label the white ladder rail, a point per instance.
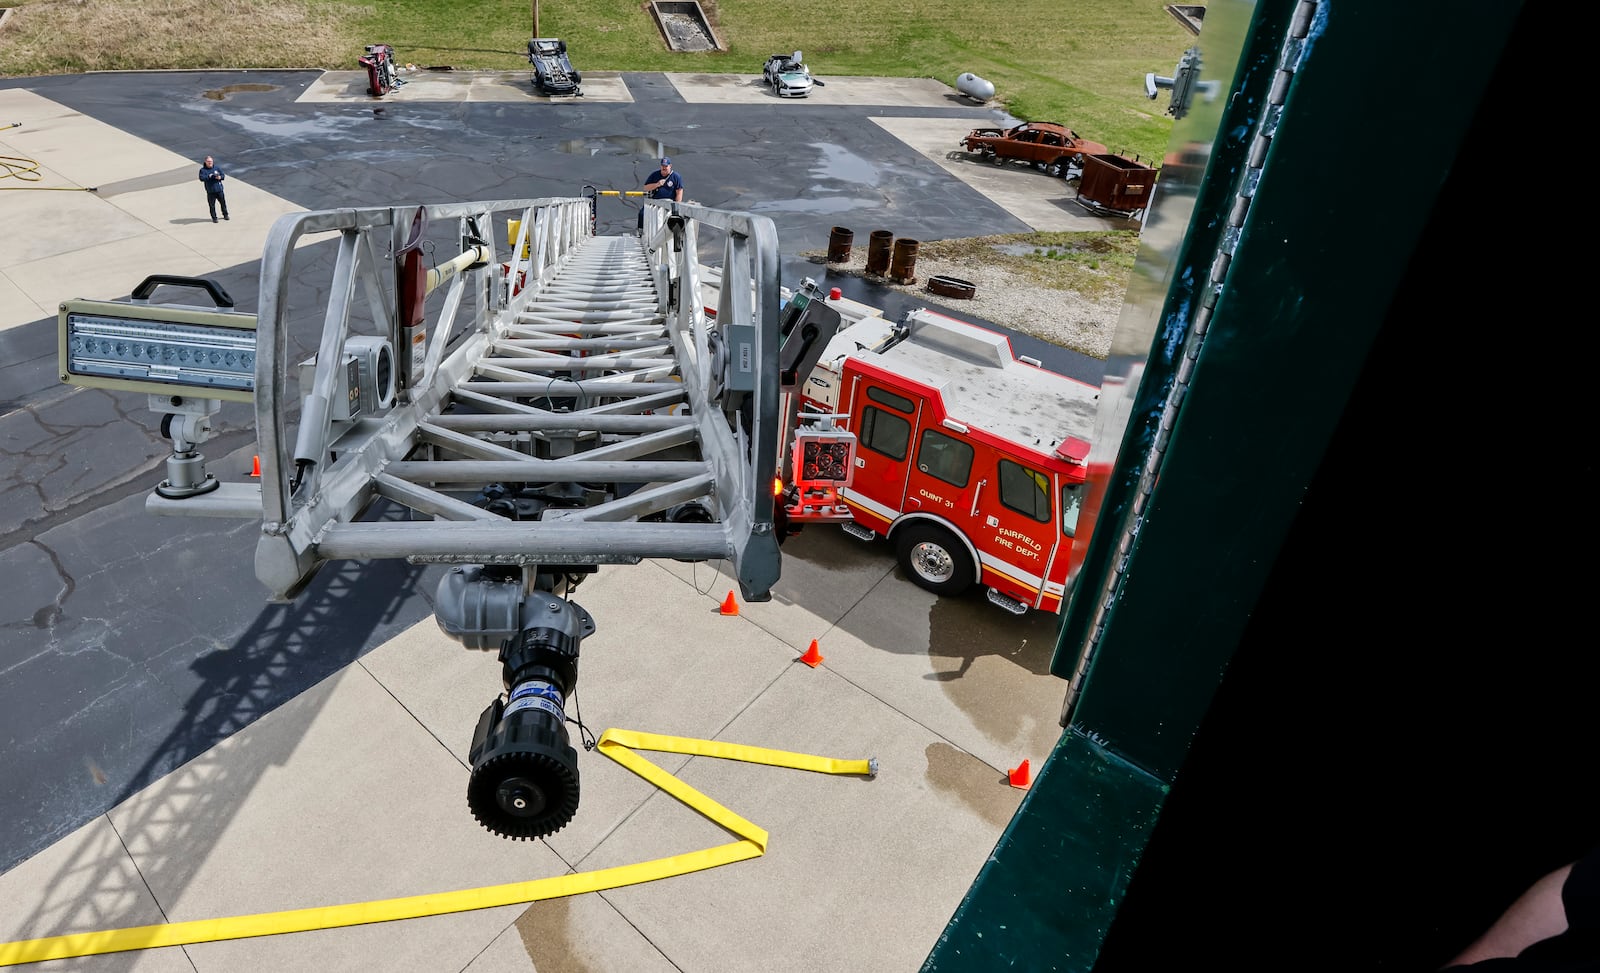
(599, 393)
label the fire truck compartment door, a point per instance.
(1019, 538)
(885, 441)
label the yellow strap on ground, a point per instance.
(735, 751)
(614, 743)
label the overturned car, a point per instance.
(553, 73)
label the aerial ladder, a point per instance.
(534, 415)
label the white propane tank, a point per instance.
(974, 87)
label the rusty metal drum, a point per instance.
(878, 251)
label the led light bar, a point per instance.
(158, 348)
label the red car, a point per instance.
(1048, 146)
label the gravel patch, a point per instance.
(1063, 317)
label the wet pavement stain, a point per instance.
(819, 207)
(623, 145)
(838, 162)
(972, 782)
(219, 94)
(967, 628)
(544, 929)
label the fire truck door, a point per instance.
(941, 479)
(1015, 514)
(885, 425)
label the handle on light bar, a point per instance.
(149, 284)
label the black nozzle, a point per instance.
(524, 781)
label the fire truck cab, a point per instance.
(970, 460)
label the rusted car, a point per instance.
(1050, 147)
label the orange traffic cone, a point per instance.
(1019, 775)
(255, 466)
(729, 606)
(813, 656)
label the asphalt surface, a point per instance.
(109, 674)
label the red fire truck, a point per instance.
(931, 433)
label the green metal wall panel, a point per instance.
(1297, 243)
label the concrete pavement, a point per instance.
(279, 759)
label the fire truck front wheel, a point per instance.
(934, 559)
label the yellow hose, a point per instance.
(616, 744)
(16, 167)
(27, 170)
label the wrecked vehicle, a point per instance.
(553, 73)
(1050, 147)
(788, 75)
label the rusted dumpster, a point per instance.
(1112, 185)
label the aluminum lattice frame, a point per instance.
(466, 416)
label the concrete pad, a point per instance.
(977, 673)
(752, 89)
(17, 307)
(1045, 203)
(440, 682)
(54, 223)
(85, 882)
(84, 151)
(27, 110)
(825, 574)
(108, 270)
(180, 213)
(147, 215)
(461, 86)
(576, 934)
(859, 874)
(339, 796)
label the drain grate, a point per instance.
(684, 25)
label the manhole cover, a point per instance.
(947, 286)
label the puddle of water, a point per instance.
(218, 94)
(838, 162)
(830, 204)
(625, 145)
(325, 126)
